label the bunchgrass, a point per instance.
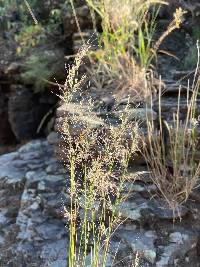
(127, 48)
(171, 151)
(97, 160)
(126, 27)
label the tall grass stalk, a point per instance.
(31, 12)
(97, 159)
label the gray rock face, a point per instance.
(132, 209)
(141, 232)
(180, 243)
(32, 231)
(170, 105)
(140, 241)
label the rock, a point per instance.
(178, 238)
(34, 176)
(170, 104)
(35, 166)
(58, 263)
(20, 164)
(10, 175)
(50, 186)
(160, 209)
(105, 104)
(140, 241)
(140, 114)
(79, 39)
(49, 127)
(54, 178)
(95, 207)
(72, 109)
(131, 187)
(179, 244)
(31, 206)
(108, 263)
(53, 138)
(57, 250)
(138, 173)
(180, 74)
(78, 116)
(33, 146)
(32, 225)
(55, 168)
(3, 219)
(84, 18)
(2, 240)
(132, 209)
(77, 125)
(53, 230)
(41, 186)
(8, 157)
(54, 204)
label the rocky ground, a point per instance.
(33, 191)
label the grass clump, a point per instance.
(127, 43)
(97, 160)
(126, 27)
(171, 153)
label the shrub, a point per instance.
(30, 36)
(42, 67)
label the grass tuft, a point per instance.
(171, 152)
(127, 46)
